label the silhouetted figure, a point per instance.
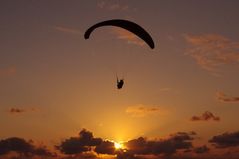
(120, 83)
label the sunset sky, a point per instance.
(54, 84)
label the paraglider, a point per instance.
(125, 24)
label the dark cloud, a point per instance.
(178, 141)
(82, 143)
(23, 147)
(43, 151)
(225, 140)
(106, 147)
(86, 146)
(133, 148)
(20, 110)
(16, 110)
(126, 155)
(198, 156)
(15, 144)
(87, 155)
(224, 98)
(87, 139)
(138, 146)
(201, 149)
(206, 116)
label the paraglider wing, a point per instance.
(128, 25)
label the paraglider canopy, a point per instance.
(125, 24)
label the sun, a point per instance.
(118, 145)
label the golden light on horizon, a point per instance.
(118, 145)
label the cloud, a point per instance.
(212, 50)
(141, 146)
(80, 144)
(112, 6)
(224, 98)
(86, 143)
(198, 156)
(15, 144)
(127, 155)
(9, 71)
(67, 30)
(175, 146)
(201, 149)
(206, 116)
(17, 110)
(20, 110)
(43, 151)
(129, 37)
(142, 111)
(23, 147)
(225, 140)
(178, 141)
(86, 155)
(106, 147)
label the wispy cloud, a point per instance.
(129, 37)
(21, 110)
(142, 111)
(67, 30)
(206, 116)
(212, 50)
(8, 71)
(112, 5)
(16, 110)
(222, 97)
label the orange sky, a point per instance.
(54, 83)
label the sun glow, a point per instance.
(118, 145)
